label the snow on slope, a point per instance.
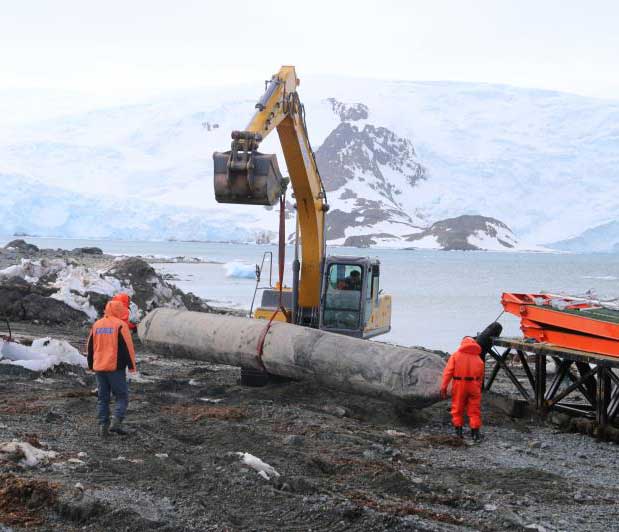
(30, 207)
(528, 158)
(600, 239)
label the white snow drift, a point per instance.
(45, 353)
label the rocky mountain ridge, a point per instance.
(370, 174)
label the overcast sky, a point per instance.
(115, 46)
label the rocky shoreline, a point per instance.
(72, 286)
(206, 454)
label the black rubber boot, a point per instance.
(104, 430)
(116, 426)
(459, 432)
(476, 435)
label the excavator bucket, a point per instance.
(248, 178)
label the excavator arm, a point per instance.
(245, 176)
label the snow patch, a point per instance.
(32, 270)
(264, 470)
(45, 353)
(74, 282)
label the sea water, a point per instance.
(438, 296)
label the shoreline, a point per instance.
(6, 239)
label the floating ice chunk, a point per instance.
(264, 470)
(240, 270)
(32, 456)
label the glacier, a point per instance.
(542, 163)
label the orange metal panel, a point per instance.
(581, 342)
(523, 306)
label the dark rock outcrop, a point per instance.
(453, 233)
(21, 246)
(365, 241)
(349, 151)
(150, 290)
(21, 301)
(349, 112)
(92, 250)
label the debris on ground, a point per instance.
(211, 400)
(23, 500)
(25, 454)
(262, 468)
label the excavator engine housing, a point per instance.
(245, 176)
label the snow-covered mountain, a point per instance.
(600, 239)
(405, 164)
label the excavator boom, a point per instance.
(243, 175)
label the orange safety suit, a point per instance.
(466, 368)
(125, 300)
(110, 347)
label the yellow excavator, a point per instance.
(334, 293)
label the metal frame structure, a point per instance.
(595, 376)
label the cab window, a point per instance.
(343, 296)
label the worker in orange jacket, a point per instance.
(110, 353)
(466, 368)
(126, 301)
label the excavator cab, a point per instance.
(245, 176)
(352, 303)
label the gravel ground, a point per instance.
(345, 462)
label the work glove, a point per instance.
(443, 393)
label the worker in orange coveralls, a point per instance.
(126, 301)
(466, 368)
(110, 353)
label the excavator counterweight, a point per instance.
(245, 176)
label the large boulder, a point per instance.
(92, 250)
(20, 300)
(21, 246)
